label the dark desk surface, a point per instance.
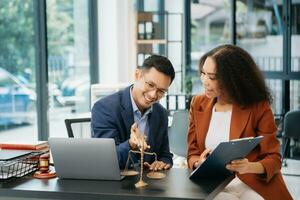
(176, 185)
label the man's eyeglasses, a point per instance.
(151, 86)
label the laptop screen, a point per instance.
(85, 158)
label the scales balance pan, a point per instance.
(151, 175)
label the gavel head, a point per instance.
(44, 162)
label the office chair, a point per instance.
(100, 90)
(178, 132)
(291, 130)
(69, 122)
(279, 119)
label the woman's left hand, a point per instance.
(241, 166)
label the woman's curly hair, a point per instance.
(238, 75)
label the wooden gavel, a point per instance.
(44, 172)
(44, 163)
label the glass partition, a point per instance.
(17, 71)
(210, 27)
(260, 32)
(68, 62)
(295, 38)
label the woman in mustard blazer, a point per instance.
(236, 104)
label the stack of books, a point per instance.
(38, 146)
(18, 158)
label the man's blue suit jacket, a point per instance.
(112, 117)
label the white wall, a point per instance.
(116, 41)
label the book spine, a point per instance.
(22, 147)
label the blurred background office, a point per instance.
(52, 52)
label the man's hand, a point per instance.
(137, 139)
(157, 165)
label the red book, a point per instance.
(24, 145)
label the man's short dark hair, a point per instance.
(161, 64)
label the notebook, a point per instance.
(6, 155)
(85, 158)
(224, 153)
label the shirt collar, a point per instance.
(134, 106)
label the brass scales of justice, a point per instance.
(153, 174)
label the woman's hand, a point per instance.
(202, 157)
(243, 166)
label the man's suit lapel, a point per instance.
(127, 112)
(239, 120)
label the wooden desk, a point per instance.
(176, 185)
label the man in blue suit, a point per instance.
(135, 111)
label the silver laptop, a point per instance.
(85, 158)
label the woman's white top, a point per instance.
(218, 131)
(219, 128)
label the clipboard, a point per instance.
(224, 153)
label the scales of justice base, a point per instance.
(153, 174)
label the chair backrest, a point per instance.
(100, 90)
(292, 124)
(178, 132)
(82, 129)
